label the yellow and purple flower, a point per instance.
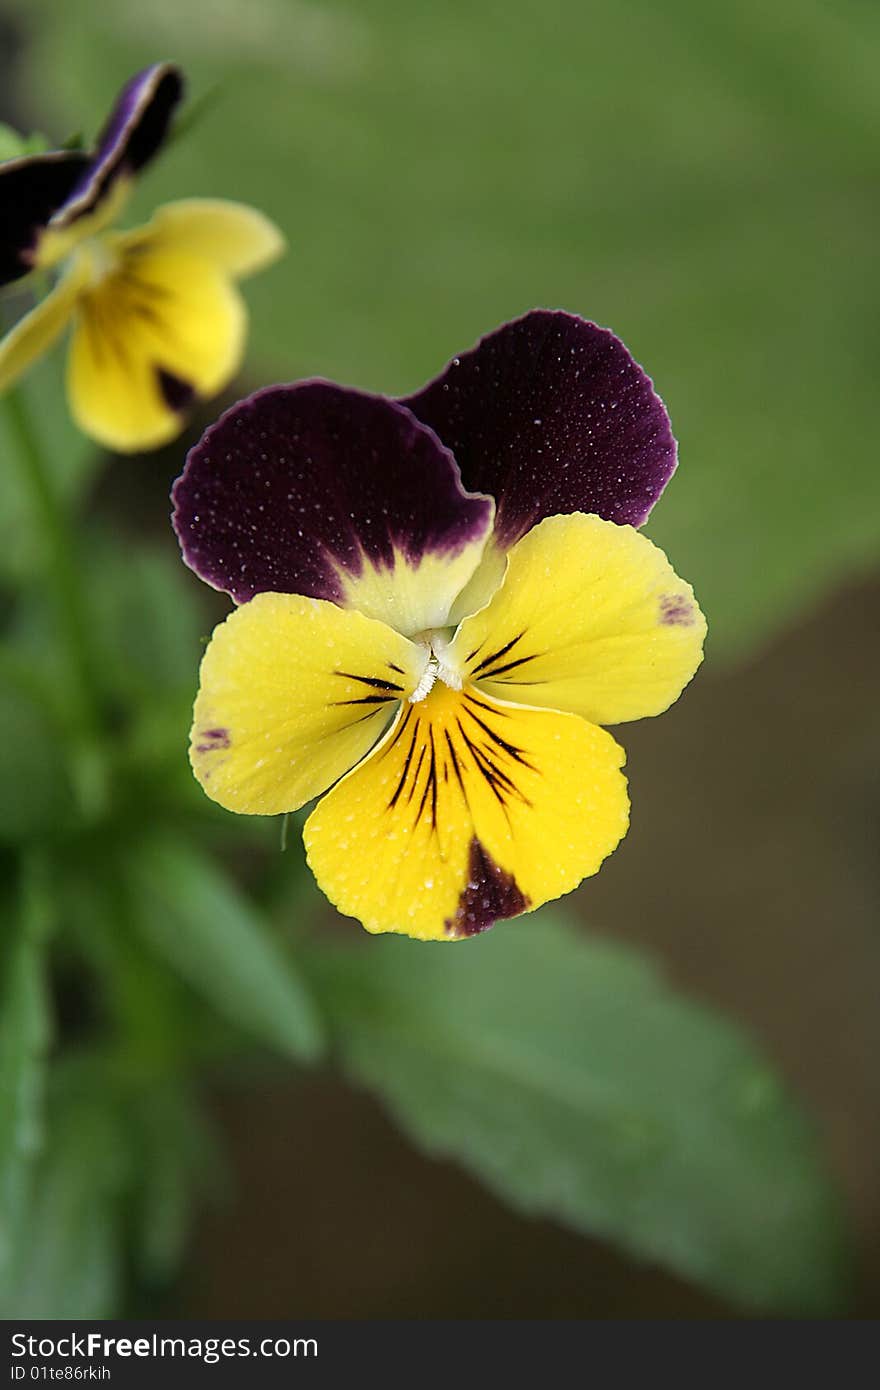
(442, 599)
(157, 318)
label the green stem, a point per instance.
(66, 592)
(62, 569)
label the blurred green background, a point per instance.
(705, 181)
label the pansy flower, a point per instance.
(156, 315)
(441, 601)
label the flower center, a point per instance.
(437, 666)
(102, 259)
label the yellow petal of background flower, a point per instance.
(158, 330)
(57, 242)
(293, 692)
(590, 618)
(34, 334)
(468, 811)
(233, 237)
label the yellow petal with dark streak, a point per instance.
(590, 618)
(467, 812)
(293, 692)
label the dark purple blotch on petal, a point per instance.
(676, 610)
(550, 414)
(177, 394)
(133, 133)
(31, 189)
(489, 895)
(297, 481)
(212, 740)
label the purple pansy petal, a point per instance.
(56, 190)
(31, 189)
(131, 136)
(313, 487)
(550, 414)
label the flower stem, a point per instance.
(62, 568)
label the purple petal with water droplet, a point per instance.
(298, 486)
(550, 414)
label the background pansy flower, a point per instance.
(156, 315)
(442, 600)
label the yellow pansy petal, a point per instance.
(590, 618)
(413, 593)
(159, 330)
(482, 584)
(33, 335)
(469, 811)
(293, 692)
(233, 237)
(60, 238)
(197, 322)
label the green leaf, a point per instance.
(72, 461)
(24, 1035)
(573, 1081)
(35, 793)
(13, 145)
(176, 1161)
(163, 1030)
(148, 624)
(199, 921)
(69, 1260)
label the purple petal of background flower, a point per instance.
(30, 191)
(550, 414)
(60, 187)
(299, 479)
(133, 133)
